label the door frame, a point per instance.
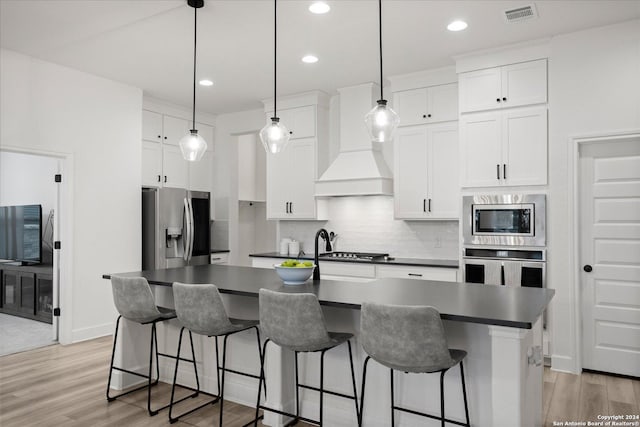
(575, 144)
(63, 232)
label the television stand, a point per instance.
(27, 291)
(19, 263)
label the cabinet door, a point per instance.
(207, 132)
(175, 168)
(200, 176)
(301, 121)
(524, 83)
(151, 126)
(410, 177)
(10, 290)
(480, 90)
(151, 164)
(417, 273)
(480, 151)
(301, 181)
(524, 150)
(278, 191)
(411, 106)
(174, 129)
(444, 187)
(27, 293)
(442, 103)
(44, 297)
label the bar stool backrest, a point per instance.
(200, 309)
(405, 337)
(133, 299)
(292, 320)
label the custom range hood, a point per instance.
(359, 169)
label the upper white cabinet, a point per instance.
(507, 147)
(426, 172)
(291, 174)
(162, 161)
(427, 105)
(503, 87)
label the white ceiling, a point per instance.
(149, 43)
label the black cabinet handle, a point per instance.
(414, 274)
(424, 205)
(286, 207)
(290, 207)
(159, 178)
(290, 132)
(165, 178)
(587, 268)
(429, 205)
(428, 115)
(497, 99)
(504, 98)
(159, 137)
(424, 116)
(498, 171)
(504, 171)
(165, 137)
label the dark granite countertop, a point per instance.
(517, 307)
(416, 262)
(219, 251)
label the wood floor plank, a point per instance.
(547, 393)
(549, 375)
(620, 390)
(594, 378)
(622, 408)
(592, 402)
(564, 402)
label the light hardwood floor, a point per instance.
(65, 386)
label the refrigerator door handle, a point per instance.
(186, 238)
(192, 231)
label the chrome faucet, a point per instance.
(325, 235)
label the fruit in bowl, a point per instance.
(294, 272)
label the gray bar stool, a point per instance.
(134, 301)
(409, 339)
(200, 310)
(295, 322)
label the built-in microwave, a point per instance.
(504, 219)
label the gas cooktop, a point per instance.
(355, 256)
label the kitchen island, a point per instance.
(499, 327)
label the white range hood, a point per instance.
(359, 169)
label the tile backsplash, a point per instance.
(366, 224)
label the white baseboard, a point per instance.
(92, 332)
(563, 364)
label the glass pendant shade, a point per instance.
(275, 136)
(382, 122)
(193, 146)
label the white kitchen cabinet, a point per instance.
(162, 161)
(426, 178)
(220, 258)
(427, 105)
(507, 147)
(417, 273)
(291, 181)
(504, 87)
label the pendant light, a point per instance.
(275, 136)
(381, 121)
(193, 146)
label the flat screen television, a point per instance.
(21, 233)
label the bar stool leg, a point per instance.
(260, 356)
(297, 386)
(464, 395)
(353, 381)
(224, 367)
(442, 397)
(175, 375)
(264, 354)
(364, 381)
(321, 383)
(393, 420)
(153, 335)
(113, 353)
(195, 367)
(218, 365)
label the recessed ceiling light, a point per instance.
(205, 82)
(309, 59)
(457, 26)
(319, 7)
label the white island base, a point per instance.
(503, 372)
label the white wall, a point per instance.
(96, 124)
(366, 224)
(594, 87)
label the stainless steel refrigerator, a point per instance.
(175, 228)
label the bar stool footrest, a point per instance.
(215, 400)
(423, 414)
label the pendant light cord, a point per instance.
(275, 54)
(380, 36)
(195, 41)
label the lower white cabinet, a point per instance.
(418, 273)
(426, 172)
(220, 258)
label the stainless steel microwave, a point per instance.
(504, 219)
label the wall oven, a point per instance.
(506, 267)
(504, 220)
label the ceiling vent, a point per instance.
(521, 13)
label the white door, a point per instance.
(610, 255)
(301, 183)
(480, 149)
(410, 180)
(524, 146)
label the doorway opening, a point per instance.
(30, 291)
